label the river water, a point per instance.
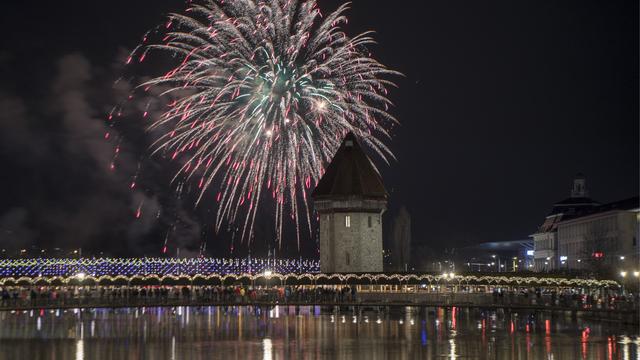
(308, 333)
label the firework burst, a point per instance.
(262, 93)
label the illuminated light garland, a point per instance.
(40, 267)
(246, 271)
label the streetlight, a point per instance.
(623, 274)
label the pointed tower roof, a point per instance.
(350, 174)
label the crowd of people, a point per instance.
(52, 296)
(238, 294)
(566, 298)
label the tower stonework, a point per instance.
(350, 199)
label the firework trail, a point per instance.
(262, 93)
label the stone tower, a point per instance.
(350, 199)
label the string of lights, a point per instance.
(38, 267)
(158, 271)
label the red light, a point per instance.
(453, 318)
(598, 254)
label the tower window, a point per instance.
(347, 221)
(369, 221)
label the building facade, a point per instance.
(545, 239)
(581, 234)
(607, 235)
(350, 200)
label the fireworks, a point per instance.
(261, 94)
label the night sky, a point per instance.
(501, 104)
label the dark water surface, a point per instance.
(280, 333)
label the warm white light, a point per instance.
(621, 257)
(79, 349)
(267, 349)
(636, 273)
(452, 275)
(623, 273)
(80, 275)
(268, 273)
(269, 133)
(321, 105)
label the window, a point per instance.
(347, 259)
(369, 221)
(634, 241)
(347, 221)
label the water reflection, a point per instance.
(80, 349)
(267, 347)
(308, 332)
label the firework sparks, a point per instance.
(261, 95)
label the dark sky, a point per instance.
(501, 104)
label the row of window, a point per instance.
(546, 244)
(347, 221)
(592, 228)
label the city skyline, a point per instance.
(319, 179)
(494, 124)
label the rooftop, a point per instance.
(350, 174)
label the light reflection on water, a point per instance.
(284, 332)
